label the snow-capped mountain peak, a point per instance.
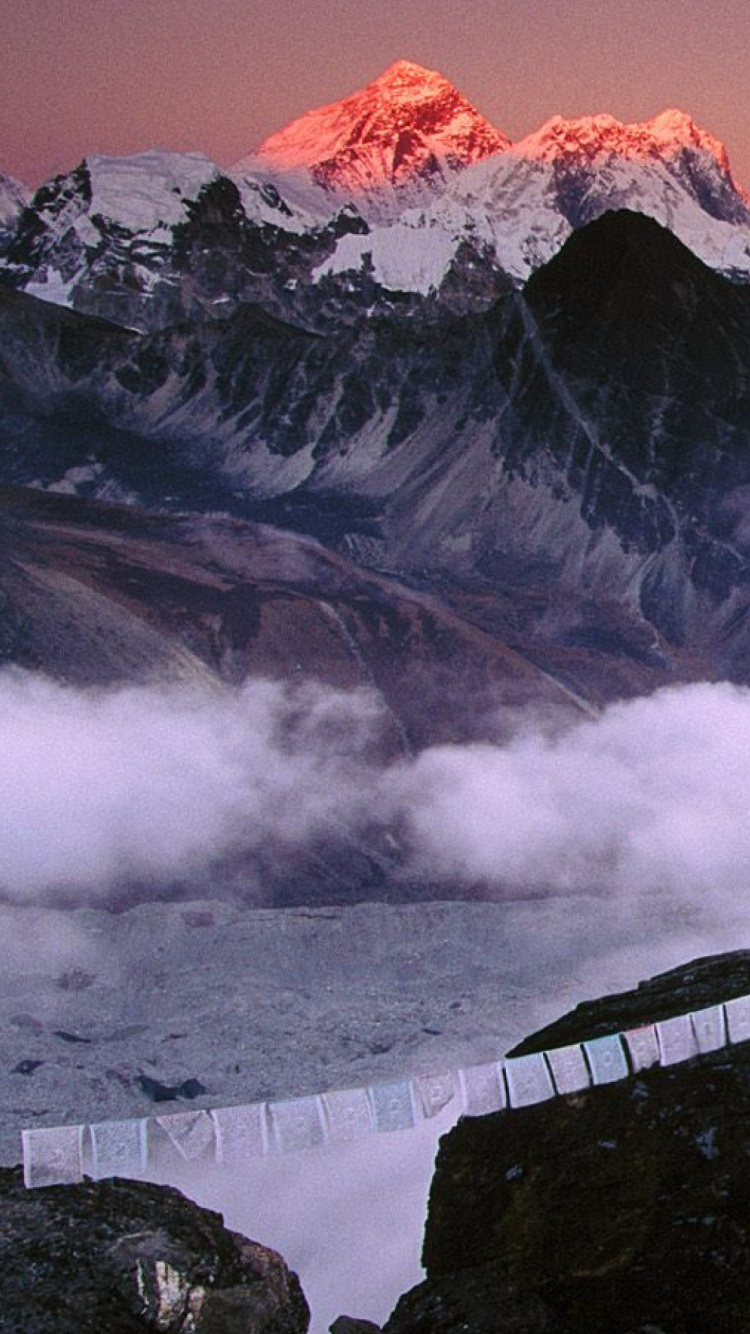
(673, 130)
(638, 166)
(664, 136)
(406, 131)
(147, 190)
(519, 205)
(406, 81)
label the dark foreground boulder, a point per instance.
(621, 1210)
(125, 1257)
(347, 1324)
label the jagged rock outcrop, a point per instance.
(618, 1210)
(13, 198)
(127, 1256)
(346, 1324)
(150, 241)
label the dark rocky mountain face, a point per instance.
(13, 198)
(208, 261)
(600, 165)
(619, 1210)
(689, 987)
(587, 435)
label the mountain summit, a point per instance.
(671, 143)
(664, 136)
(408, 128)
(403, 183)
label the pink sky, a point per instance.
(219, 75)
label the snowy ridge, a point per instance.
(118, 217)
(523, 202)
(149, 191)
(425, 176)
(664, 136)
(136, 201)
(512, 212)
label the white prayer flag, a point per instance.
(435, 1092)
(643, 1047)
(297, 1123)
(484, 1088)
(606, 1057)
(52, 1156)
(348, 1114)
(392, 1106)
(241, 1132)
(193, 1134)
(738, 1018)
(676, 1039)
(709, 1028)
(569, 1069)
(528, 1079)
(118, 1148)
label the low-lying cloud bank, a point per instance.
(149, 783)
(652, 795)
(100, 785)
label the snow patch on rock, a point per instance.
(147, 191)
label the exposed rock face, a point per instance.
(102, 594)
(346, 1324)
(158, 238)
(621, 1209)
(690, 987)
(13, 197)
(124, 1256)
(556, 440)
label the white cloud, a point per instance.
(652, 797)
(99, 786)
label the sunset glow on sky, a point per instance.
(118, 76)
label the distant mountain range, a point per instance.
(578, 441)
(403, 182)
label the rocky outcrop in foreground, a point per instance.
(621, 1210)
(126, 1256)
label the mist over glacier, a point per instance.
(99, 787)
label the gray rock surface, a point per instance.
(555, 439)
(123, 1257)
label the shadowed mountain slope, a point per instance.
(590, 434)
